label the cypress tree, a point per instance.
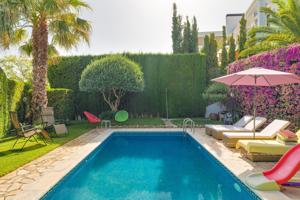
(186, 44)
(231, 50)
(213, 48)
(176, 31)
(205, 50)
(194, 36)
(224, 56)
(243, 34)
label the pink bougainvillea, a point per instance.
(280, 102)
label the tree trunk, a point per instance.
(40, 66)
(113, 98)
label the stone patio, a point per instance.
(34, 179)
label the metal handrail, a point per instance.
(188, 123)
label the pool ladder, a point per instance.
(188, 123)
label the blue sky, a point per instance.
(145, 25)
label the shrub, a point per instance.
(280, 102)
(107, 115)
(216, 92)
(113, 76)
(62, 101)
(183, 75)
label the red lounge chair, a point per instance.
(92, 118)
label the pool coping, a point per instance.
(69, 155)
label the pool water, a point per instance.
(150, 166)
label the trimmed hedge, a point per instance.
(10, 98)
(183, 75)
(62, 101)
(3, 103)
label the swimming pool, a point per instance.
(150, 166)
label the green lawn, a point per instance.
(140, 122)
(12, 159)
(198, 121)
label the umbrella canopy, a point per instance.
(258, 77)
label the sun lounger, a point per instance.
(262, 150)
(209, 128)
(268, 133)
(259, 121)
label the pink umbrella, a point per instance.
(258, 77)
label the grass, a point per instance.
(140, 122)
(13, 159)
(198, 121)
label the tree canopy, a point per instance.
(112, 76)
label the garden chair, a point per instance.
(210, 128)
(49, 122)
(259, 121)
(26, 132)
(230, 139)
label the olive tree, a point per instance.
(112, 76)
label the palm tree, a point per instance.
(36, 22)
(283, 28)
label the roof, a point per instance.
(235, 14)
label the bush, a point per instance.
(113, 77)
(62, 101)
(216, 92)
(183, 75)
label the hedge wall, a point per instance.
(10, 98)
(184, 76)
(3, 103)
(62, 101)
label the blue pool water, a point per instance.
(150, 166)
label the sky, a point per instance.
(145, 25)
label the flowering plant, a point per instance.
(280, 102)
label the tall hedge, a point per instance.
(61, 100)
(3, 103)
(183, 75)
(10, 98)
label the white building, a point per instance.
(253, 15)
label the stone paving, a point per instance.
(34, 179)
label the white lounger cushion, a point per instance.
(269, 131)
(259, 121)
(239, 124)
(243, 121)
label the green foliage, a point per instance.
(182, 74)
(17, 68)
(216, 92)
(213, 48)
(232, 47)
(224, 59)
(243, 34)
(62, 101)
(282, 28)
(15, 91)
(113, 77)
(3, 103)
(112, 72)
(186, 43)
(107, 115)
(176, 31)
(194, 37)
(10, 99)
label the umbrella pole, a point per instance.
(254, 107)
